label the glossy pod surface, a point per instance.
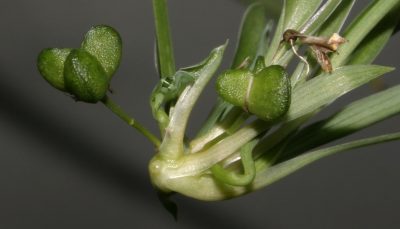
(104, 43)
(232, 86)
(86, 72)
(84, 77)
(51, 66)
(269, 96)
(265, 93)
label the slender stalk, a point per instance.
(165, 53)
(116, 109)
(232, 177)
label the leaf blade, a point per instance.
(272, 174)
(251, 34)
(165, 54)
(358, 29)
(325, 88)
(294, 15)
(172, 145)
(373, 43)
(354, 117)
(320, 16)
(336, 19)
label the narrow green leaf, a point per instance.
(320, 16)
(165, 55)
(294, 15)
(332, 25)
(276, 172)
(354, 117)
(298, 12)
(358, 29)
(172, 146)
(274, 45)
(312, 25)
(336, 19)
(251, 34)
(278, 136)
(374, 42)
(273, 7)
(327, 87)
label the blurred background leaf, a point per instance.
(273, 7)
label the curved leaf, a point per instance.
(172, 145)
(354, 117)
(374, 42)
(358, 29)
(251, 33)
(276, 172)
(325, 88)
(336, 19)
(320, 16)
(293, 16)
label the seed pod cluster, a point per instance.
(264, 92)
(84, 72)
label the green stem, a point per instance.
(231, 177)
(132, 122)
(227, 125)
(165, 53)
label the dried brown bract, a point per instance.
(320, 46)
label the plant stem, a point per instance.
(165, 53)
(201, 161)
(116, 109)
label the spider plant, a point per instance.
(259, 129)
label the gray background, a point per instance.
(72, 165)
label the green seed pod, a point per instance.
(84, 77)
(104, 43)
(232, 86)
(265, 93)
(269, 96)
(51, 66)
